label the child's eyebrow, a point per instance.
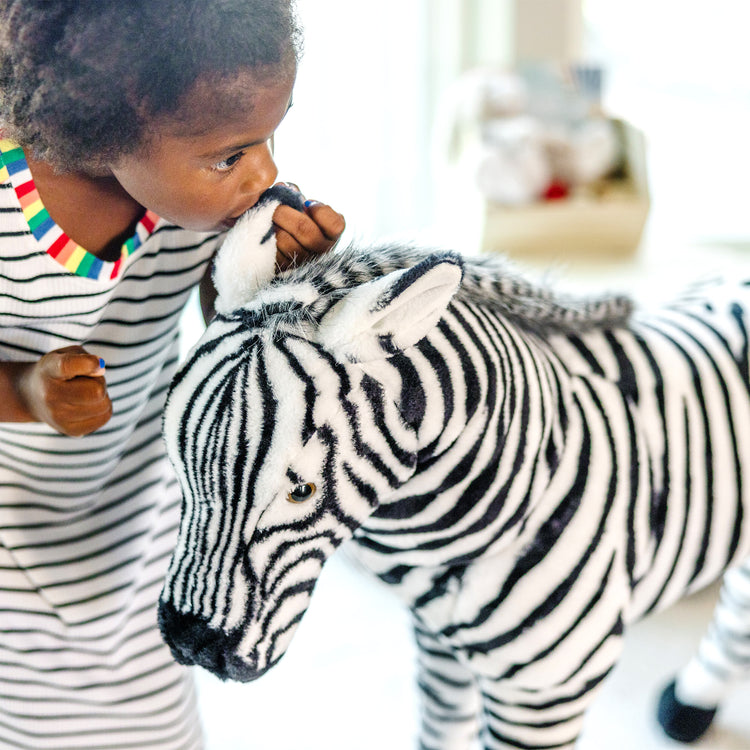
(229, 150)
(221, 153)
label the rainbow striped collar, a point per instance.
(51, 238)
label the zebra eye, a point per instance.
(301, 493)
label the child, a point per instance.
(139, 131)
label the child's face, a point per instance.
(205, 168)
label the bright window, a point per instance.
(680, 70)
(355, 137)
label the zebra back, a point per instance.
(490, 282)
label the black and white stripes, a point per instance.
(528, 473)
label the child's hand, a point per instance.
(66, 389)
(301, 235)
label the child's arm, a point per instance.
(65, 388)
(299, 236)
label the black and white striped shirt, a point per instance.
(87, 525)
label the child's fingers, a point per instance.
(316, 229)
(89, 393)
(74, 361)
(300, 235)
(77, 406)
(330, 222)
(75, 422)
(301, 228)
(288, 250)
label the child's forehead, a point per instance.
(215, 102)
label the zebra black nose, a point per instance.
(193, 641)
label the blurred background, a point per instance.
(604, 141)
(377, 89)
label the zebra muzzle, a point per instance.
(193, 641)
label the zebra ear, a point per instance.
(247, 258)
(391, 313)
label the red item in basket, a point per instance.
(556, 190)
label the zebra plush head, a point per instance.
(271, 426)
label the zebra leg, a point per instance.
(541, 720)
(449, 695)
(688, 704)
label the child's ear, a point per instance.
(247, 258)
(391, 313)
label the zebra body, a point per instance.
(528, 473)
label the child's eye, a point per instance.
(225, 165)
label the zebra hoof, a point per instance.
(679, 721)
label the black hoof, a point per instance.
(680, 722)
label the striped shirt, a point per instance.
(87, 525)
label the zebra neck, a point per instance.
(489, 437)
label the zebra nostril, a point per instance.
(192, 640)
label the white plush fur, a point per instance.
(245, 262)
(355, 326)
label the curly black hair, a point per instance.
(80, 80)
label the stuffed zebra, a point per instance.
(529, 473)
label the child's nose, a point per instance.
(261, 172)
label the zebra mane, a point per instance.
(488, 281)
